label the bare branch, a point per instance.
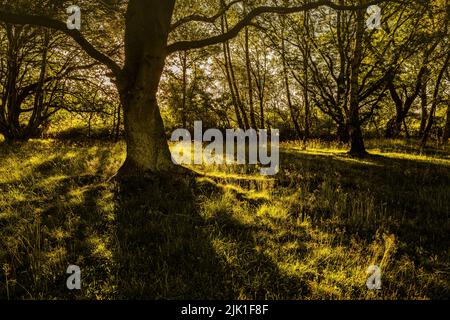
(24, 19)
(233, 32)
(200, 18)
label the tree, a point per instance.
(414, 63)
(442, 71)
(34, 73)
(353, 120)
(436, 101)
(147, 28)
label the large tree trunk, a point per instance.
(353, 120)
(147, 28)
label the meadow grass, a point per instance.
(310, 232)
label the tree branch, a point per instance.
(200, 18)
(21, 19)
(233, 32)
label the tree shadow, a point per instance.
(410, 195)
(50, 221)
(152, 244)
(165, 248)
(257, 274)
(160, 250)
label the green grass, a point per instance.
(310, 232)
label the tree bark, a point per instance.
(118, 124)
(341, 107)
(146, 34)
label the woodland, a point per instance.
(91, 92)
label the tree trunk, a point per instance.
(286, 82)
(394, 128)
(261, 111)
(229, 80)
(341, 108)
(402, 107)
(446, 133)
(234, 84)
(119, 122)
(394, 125)
(306, 54)
(357, 147)
(249, 80)
(343, 132)
(260, 81)
(408, 136)
(184, 99)
(36, 120)
(434, 105)
(424, 107)
(354, 124)
(147, 28)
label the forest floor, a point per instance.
(310, 232)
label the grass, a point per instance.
(311, 232)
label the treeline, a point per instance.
(317, 73)
(322, 73)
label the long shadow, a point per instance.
(165, 252)
(36, 220)
(412, 192)
(255, 273)
(162, 250)
(374, 172)
(161, 246)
